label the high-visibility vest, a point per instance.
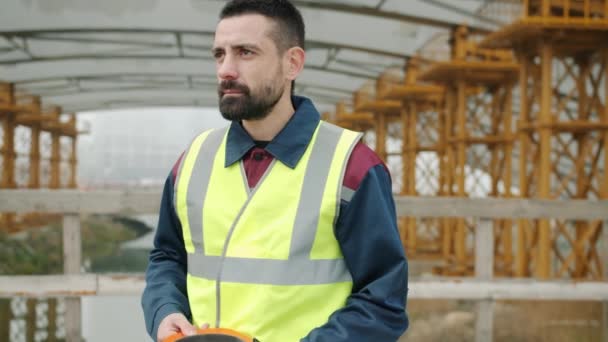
(264, 261)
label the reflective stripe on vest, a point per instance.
(264, 244)
(193, 179)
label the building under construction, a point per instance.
(491, 116)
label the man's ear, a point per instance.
(294, 62)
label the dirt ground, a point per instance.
(514, 321)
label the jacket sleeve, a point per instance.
(165, 291)
(367, 232)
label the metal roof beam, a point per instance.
(16, 76)
(134, 103)
(54, 35)
(209, 86)
(149, 95)
(321, 104)
(465, 12)
(375, 12)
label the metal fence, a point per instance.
(481, 288)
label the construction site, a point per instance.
(491, 116)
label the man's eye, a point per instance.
(246, 52)
(218, 55)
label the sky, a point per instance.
(137, 146)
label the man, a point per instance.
(281, 226)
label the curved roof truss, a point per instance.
(89, 54)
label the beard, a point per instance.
(248, 106)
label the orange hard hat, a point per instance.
(212, 335)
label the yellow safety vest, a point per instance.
(264, 261)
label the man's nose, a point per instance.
(227, 70)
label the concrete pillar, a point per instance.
(72, 255)
(484, 271)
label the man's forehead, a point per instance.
(246, 26)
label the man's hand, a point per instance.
(175, 323)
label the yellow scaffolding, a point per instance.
(563, 120)
(25, 111)
(421, 132)
(478, 123)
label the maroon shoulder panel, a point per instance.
(176, 167)
(361, 160)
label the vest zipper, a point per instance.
(250, 194)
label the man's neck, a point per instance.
(267, 128)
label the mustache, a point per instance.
(231, 85)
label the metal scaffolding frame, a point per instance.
(25, 112)
(563, 120)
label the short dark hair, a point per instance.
(290, 30)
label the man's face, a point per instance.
(249, 68)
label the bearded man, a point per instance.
(280, 226)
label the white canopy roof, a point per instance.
(88, 54)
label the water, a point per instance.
(104, 318)
(114, 319)
(118, 318)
